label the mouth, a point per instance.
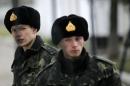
(75, 51)
(19, 40)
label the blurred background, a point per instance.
(109, 27)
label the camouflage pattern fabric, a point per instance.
(88, 71)
(28, 64)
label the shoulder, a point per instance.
(106, 65)
(50, 49)
(106, 69)
(104, 61)
(109, 71)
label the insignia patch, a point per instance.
(70, 27)
(13, 17)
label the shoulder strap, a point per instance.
(50, 54)
(104, 61)
(51, 50)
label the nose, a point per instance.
(74, 43)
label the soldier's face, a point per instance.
(23, 34)
(72, 46)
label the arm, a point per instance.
(110, 72)
(113, 80)
(14, 81)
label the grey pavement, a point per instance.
(125, 78)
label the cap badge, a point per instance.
(70, 27)
(13, 17)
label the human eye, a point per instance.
(78, 38)
(21, 28)
(13, 30)
(67, 39)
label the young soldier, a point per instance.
(74, 66)
(32, 54)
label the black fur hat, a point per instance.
(67, 26)
(22, 15)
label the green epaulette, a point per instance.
(105, 61)
(50, 49)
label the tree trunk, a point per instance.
(113, 49)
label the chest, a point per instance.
(25, 73)
(83, 79)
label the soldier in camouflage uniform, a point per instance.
(32, 54)
(74, 66)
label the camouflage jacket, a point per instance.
(27, 65)
(88, 71)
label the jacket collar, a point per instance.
(20, 55)
(75, 66)
(37, 44)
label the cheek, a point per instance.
(65, 47)
(68, 48)
(27, 34)
(81, 43)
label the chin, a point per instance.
(21, 45)
(75, 56)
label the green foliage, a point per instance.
(124, 1)
(48, 41)
(126, 66)
(3, 32)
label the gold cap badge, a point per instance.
(13, 17)
(70, 27)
